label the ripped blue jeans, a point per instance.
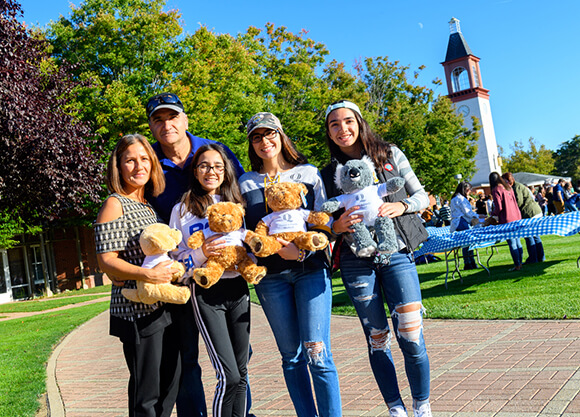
(369, 285)
(297, 305)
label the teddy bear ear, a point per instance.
(369, 162)
(209, 210)
(177, 235)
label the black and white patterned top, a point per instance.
(122, 235)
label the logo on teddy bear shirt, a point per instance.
(361, 200)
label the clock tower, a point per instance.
(466, 91)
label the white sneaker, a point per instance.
(398, 411)
(423, 411)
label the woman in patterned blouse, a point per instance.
(149, 339)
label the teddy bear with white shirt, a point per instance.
(356, 178)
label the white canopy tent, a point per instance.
(530, 178)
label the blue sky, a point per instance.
(529, 49)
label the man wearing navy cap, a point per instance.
(175, 147)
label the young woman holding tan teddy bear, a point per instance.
(222, 308)
(296, 294)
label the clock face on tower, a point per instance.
(463, 110)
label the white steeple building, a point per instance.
(465, 87)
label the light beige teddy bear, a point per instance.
(156, 240)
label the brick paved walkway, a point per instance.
(479, 368)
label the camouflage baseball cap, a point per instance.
(263, 120)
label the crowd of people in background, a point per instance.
(555, 196)
(508, 201)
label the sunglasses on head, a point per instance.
(166, 98)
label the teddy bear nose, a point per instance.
(354, 173)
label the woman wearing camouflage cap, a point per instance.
(296, 295)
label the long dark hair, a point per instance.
(462, 188)
(509, 178)
(289, 152)
(495, 179)
(373, 146)
(196, 200)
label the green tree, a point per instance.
(132, 49)
(533, 159)
(127, 49)
(424, 127)
(219, 87)
(567, 159)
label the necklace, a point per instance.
(268, 180)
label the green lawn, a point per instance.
(47, 303)
(25, 346)
(548, 290)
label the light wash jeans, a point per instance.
(297, 305)
(369, 286)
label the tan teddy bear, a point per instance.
(156, 240)
(288, 221)
(226, 218)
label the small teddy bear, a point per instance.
(156, 240)
(288, 221)
(227, 219)
(356, 179)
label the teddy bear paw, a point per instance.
(386, 248)
(319, 241)
(256, 245)
(202, 279)
(260, 273)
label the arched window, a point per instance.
(476, 76)
(460, 79)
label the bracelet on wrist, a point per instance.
(405, 206)
(332, 229)
(301, 255)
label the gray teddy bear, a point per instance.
(356, 179)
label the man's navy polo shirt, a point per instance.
(555, 190)
(177, 178)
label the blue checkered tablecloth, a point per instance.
(442, 241)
